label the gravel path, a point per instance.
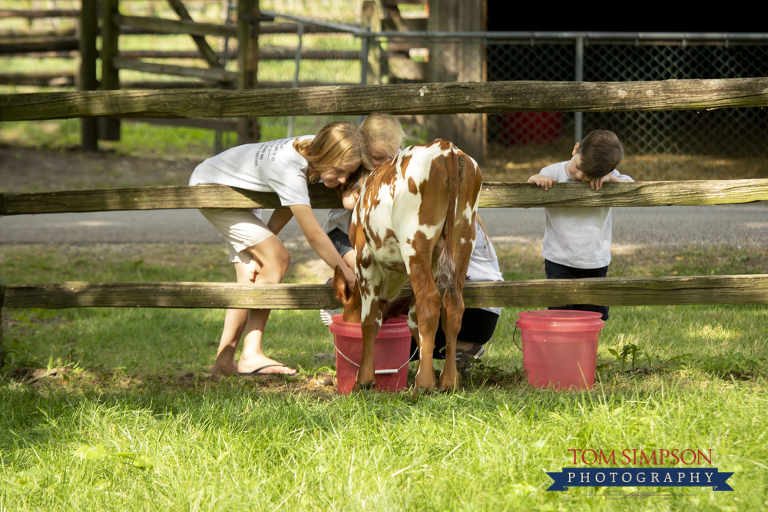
(732, 225)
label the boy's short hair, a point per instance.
(601, 152)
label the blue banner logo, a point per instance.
(640, 477)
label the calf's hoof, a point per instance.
(364, 386)
(449, 386)
(422, 390)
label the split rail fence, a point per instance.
(446, 98)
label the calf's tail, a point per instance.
(446, 264)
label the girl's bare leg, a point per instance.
(237, 321)
(234, 325)
(274, 259)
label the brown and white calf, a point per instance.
(414, 220)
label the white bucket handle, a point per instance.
(376, 372)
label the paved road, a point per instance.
(733, 225)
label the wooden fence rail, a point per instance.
(639, 291)
(51, 13)
(215, 74)
(398, 99)
(493, 195)
(439, 98)
(10, 45)
(166, 26)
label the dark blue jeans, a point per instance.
(557, 271)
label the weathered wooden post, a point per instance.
(462, 61)
(89, 28)
(371, 20)
(109, 128)
(248, 60)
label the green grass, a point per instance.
(128, 418)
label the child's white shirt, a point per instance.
(338, 218)
(577, 237)
(273, 166)
(483, 263)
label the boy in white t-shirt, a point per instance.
(577, 241)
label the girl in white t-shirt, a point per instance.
(284, 167)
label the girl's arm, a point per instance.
(319, 241)
(349, 196)
(279, 219)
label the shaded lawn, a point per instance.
(113, 407)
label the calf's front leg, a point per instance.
(366, 374)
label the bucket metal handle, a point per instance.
(514, 340)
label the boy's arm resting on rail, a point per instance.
(319, 241)
(597, 183)
(542, 181)
(279, 219)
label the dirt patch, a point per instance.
(37, 170)
(321, 385)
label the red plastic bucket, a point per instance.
(391, 353)
(560, 347)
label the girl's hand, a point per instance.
(253, 268)
(349, 197)
(349, 275)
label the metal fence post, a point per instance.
(297, 59)
(364, 51)
(578, 117)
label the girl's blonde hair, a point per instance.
(337, 143)
(383, 129)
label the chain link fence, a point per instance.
(668, 145)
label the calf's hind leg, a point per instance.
(428, 315)
(453, 311)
